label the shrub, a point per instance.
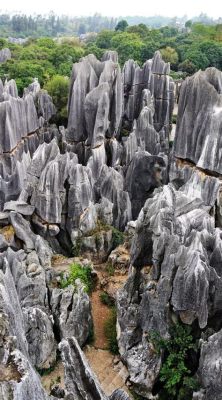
(106, 299)
(174, 119)
(110, 332)
(117, 237)
(77, 247)
(176, 377)
(46, 371)
(78, 272)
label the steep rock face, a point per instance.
(5, 54)
(177, 236)
(80, 381)
(91, 80)
(72, 312)
(210, 368)
(18, 379)
(198, 135)
(145, 173)
(154, 75)
(175, 272)
(20, 136)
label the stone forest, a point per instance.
(113, 224)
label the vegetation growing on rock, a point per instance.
(77, 271)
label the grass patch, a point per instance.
(110, 332)
(110, 269)
(76, 271)
(100, 227)
(117, 236)
(106, 299)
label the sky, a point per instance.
(117, 8)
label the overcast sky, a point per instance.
(117, 7)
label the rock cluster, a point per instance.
(176, 253)
(5, 55)
(65, 189)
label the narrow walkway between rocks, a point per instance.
(100, 314)
(108, 368)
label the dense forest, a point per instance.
(196, 46)
(23, 26)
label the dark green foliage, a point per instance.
(174, 119)
(44, 59)
(77, 247)
(110, 332)
(106, 299)
(175, 375)
(121, 26)
(117, 237)
(46, 371)
(76, 271)
(110, 269)
(58, 87)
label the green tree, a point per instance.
(121, 26)
(170, 55)
(128, 45)
(104, 39)
(57, 87)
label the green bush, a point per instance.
(46, 371)
(110, 332)
(110, 269)
(58, 88)
(77, 247)
(106, 299)
(176, 377)
(174, 119)
(117, 237)
(78, 272)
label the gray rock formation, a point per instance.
(154, 75)
(175, 272)
(209, 368)
(199, 120)
(80, 381)
(71, 310)
(5, 55)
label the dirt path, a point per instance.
(100, 313)
(110, 371)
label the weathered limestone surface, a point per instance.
(5, 54)
(80, 381)
(210, 368)
(198, 135)
(175, 272)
